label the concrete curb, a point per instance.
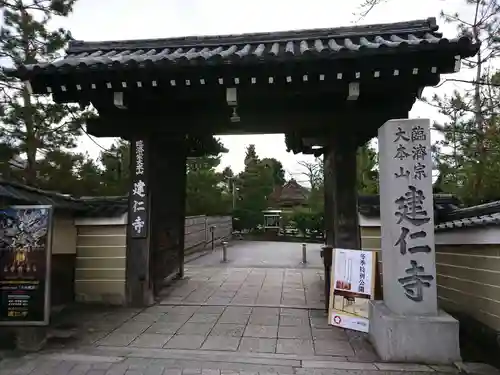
(472, 368)
(302, 365)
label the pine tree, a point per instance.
(467, 158)
(32, 125)
(115, 174)
(251, 155)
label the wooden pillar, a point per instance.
(168, 166)
(138, 290)
(341, 195)
(341, 202)
(155, 236)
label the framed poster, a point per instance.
(25, 254)
(353, 285)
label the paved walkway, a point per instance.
(267, 254)
(219, 320)
(264, 287)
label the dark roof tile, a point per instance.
(471, 217)
(22, 194)
(230, 49)
(470, 222)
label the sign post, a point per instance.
(408, 325)
(25, 254)
(139, 200)
(353, 285)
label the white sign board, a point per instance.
(353, 271)
(353, 283)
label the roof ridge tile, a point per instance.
(406, 27)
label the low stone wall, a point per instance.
(468, 278)
(100, 264)
(198, 234)
(101, 253)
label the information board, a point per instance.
(353, 285)
(25, 251)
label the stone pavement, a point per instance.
(267, 254)
(274, 287)
(218, 320)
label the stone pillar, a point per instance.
(407, 325)
(341, 202)
(155, 241)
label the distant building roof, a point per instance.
(290, 194)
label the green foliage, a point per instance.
(205, 192)
(367, 174)
(115, 172)
(250, 155)
(367, 177)
(316, 201)
(34, 126)
(277, 170)
(307, 221)
(468, 158)
(255, 183)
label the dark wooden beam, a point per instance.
(308, 118)
(193, 81)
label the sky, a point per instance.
(94, 20)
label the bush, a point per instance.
(246, 219)
(309, 223)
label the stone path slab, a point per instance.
(297, 288)
(172, 362)
(267, 254)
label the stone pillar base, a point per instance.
(31, 339)
(416, 339)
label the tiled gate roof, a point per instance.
(328, 43)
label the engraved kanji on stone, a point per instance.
(419, 171)
(138, 224)
(401, 135)
(139, 189)
(414, 283)
(138, 206)
(419, 152)
(410, 207)
(402, 173)
(418, 134)
(401, 153)
(403, 245)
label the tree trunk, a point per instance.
(27, 114)
(478, 115)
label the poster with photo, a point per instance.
(353, 285)
(25, 251)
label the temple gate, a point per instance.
(328, 90)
